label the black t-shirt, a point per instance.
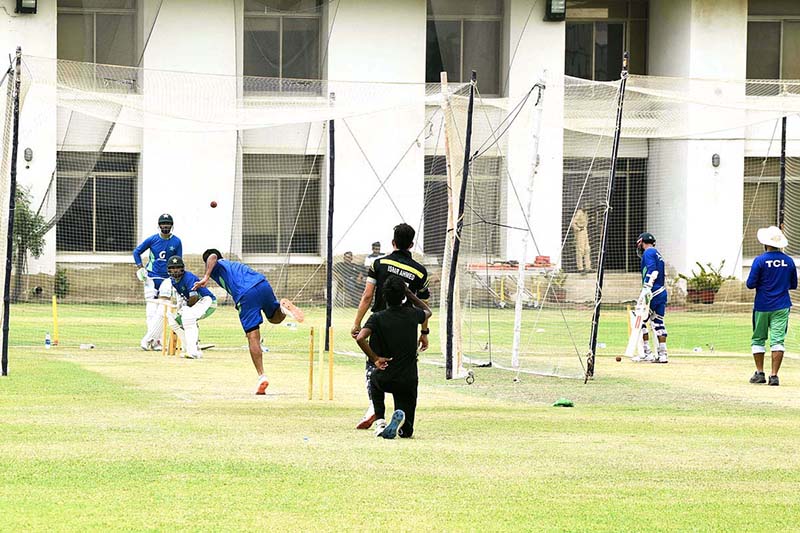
(394, 334)
(398, 263)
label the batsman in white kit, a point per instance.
(154, 276)
(193, 305)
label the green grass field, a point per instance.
(120, 439)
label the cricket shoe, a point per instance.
(758, 377)
(393, 427)
(367, 422)
(292, 310)
(188, 355)
(661, 358)
(380, 425)
(261, 387)
(773, 381)
(645, 358)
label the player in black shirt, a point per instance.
(392, 348)
(398, 263)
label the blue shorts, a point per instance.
(658, 305)
(255, 300)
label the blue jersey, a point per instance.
(772, 275)
(653, 262)
(184, 286)
(235, 278)
(161, 249)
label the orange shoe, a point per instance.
(292, 310)
(366, 422)
(261, 388)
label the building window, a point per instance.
(282, 39)
(760, 205)
(483, 213)
(462, 37)
(597, 34)
(773, 52)
(97, 31)
(281, 204)
(96, 200)
(628, 215)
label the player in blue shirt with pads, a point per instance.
(772, 275)
(253, 295)
(653, 278)
(162, 246)
(194, 305)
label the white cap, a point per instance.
(772, 236)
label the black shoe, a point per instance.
(773, 381)
(758, 377)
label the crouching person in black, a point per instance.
(389, 339)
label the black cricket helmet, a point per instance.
(643, 238)
(175, 267)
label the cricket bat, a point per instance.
(640, 313)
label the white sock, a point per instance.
(662, 347)
(646, 345)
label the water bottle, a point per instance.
(47, 341)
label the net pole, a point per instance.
(329, 267)
(459, 226)
(782, 182)
(14, 89)
(448, 118)
(598, 295)
(523, 255)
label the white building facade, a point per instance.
(400, 41)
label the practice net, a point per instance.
(698, 166)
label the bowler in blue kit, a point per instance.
(253, 295)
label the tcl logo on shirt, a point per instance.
(776, 263)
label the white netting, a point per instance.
(133, 143)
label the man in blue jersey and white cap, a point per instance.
(772, 275)
(253, 296)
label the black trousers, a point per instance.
(404, 391)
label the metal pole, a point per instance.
(12, 204)
(526, 237)
(458, 228)
(782, 184)
(598, 296)
(331, 184)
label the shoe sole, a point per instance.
(366, 423)
(393, 427)
(297, 314)
(262, 388)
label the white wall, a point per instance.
(699, 215)
(36, 34)
(378, 41)
(183, 172)
(536, 53)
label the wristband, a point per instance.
(424, 331)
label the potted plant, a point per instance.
(702, 285)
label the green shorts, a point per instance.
(772, 324)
